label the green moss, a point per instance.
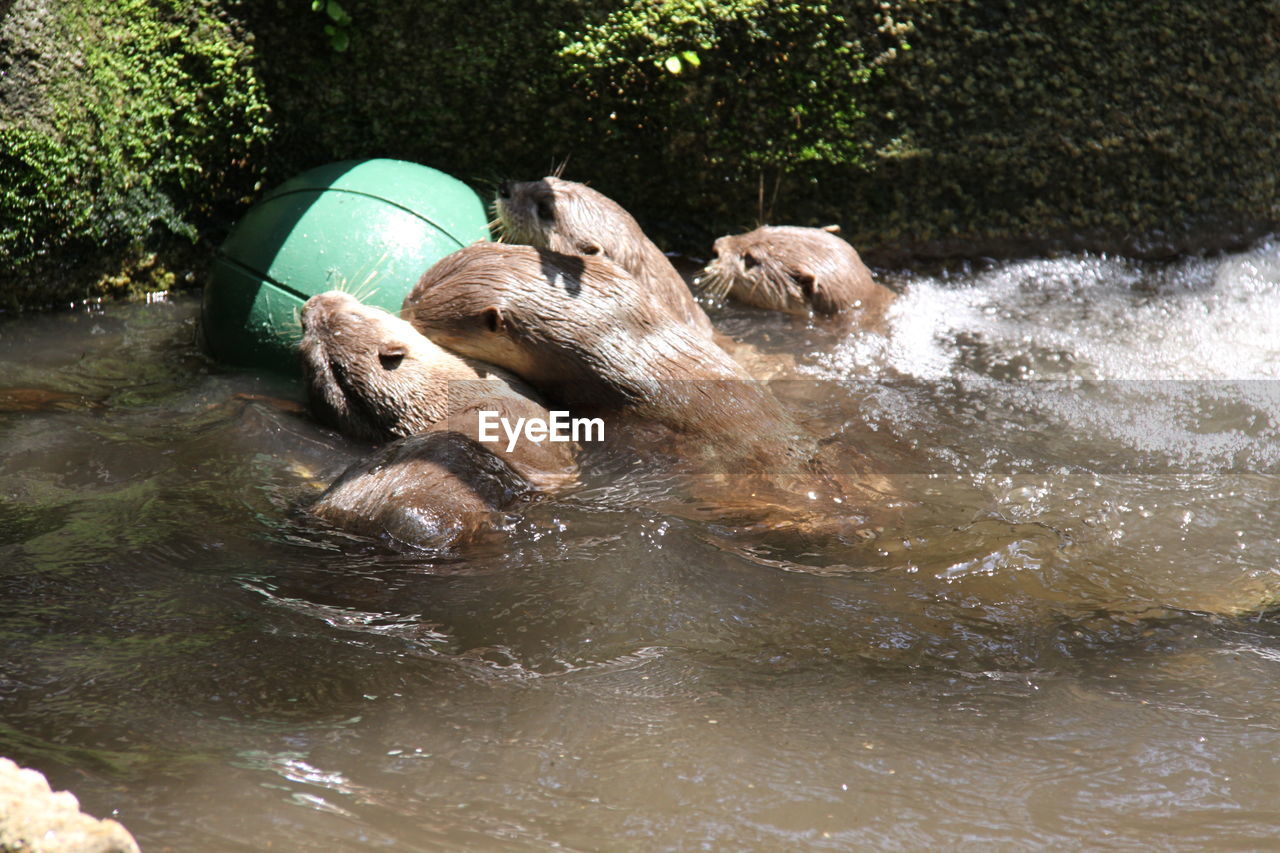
(684, 111)
(921, 126)
(153, 121)
(745, 84)
(1099, 124)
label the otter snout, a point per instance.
(324, 303)
(319, 308)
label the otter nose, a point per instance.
(504, 190)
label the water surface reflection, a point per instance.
(1064, 641)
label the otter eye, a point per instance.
(749, 261)
(546, 210)
(589, 249)
(391, 355)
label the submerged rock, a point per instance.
(35, 819)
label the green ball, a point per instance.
(369, 227)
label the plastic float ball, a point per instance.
(369, 227)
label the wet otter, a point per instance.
(372, 376)
(574, 219)
(445, 486)
(582, 331)
(796, 270)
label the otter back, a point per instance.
(443, 487)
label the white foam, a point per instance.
(1083, 317)
(1188, 340)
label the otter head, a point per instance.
(567, 217)
(783, 268)
(578, 328)
(574, 219)
(371, 375)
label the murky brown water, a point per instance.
(1064, 642)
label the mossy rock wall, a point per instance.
(125, 129)
(930, 128)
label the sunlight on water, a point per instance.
(1058, 632)
(1090, 318)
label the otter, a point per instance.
(581, 330)
(373, 377)
(444, 487)
(795, 270)
(574, 219)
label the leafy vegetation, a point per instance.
(148, 128)
(923, 127)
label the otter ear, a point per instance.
(589, 249)
(391, 354)
(493, 319)
(818, 296)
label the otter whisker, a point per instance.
(366, 288)
(714, 283)
(369, 284)
(769, 283)
(760, 200)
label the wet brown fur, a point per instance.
(373, 377)
(574, 219)
(443, 487)
(582, 330)
(796, 270)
